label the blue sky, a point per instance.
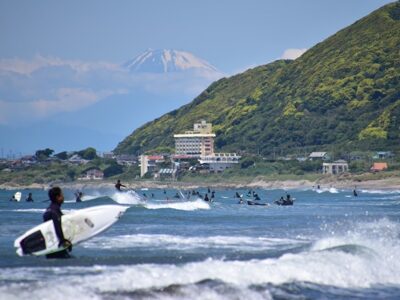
(230, 34)
(61, 82)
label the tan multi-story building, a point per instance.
(199, 143)
(196, 143)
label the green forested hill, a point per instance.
(345, 91)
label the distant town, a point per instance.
(194, 155)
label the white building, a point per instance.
(196, 143)
(218, 162)
(92, 174)
(148, 163)
(337, 167)
(318, 155)
(76, 159)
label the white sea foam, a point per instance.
(183, 205)
(385, 192)
(327, 262)
(331, 190)
(334, 268)
(360, 258)
(175, 242)
(36, 210)
(365, 256)
(128, 197)
(29, 210)
(87, 197)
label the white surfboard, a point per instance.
(17, 196)
(78, 226)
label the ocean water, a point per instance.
(328, 245)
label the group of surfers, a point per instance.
(282, 201)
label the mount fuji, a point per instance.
(167, 61)
(93, 103)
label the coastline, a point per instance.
(389, 183)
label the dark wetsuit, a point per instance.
(78, 197)
(118, 186)
(53, 212)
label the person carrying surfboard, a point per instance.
(118, 185)
(53, 212)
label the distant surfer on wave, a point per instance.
(118, 185)
(355, 194)
(53, 212)
(78, 196)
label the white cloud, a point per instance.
(26, 67)
(293, 53)
(68, 99)
(35, 89)
(65, 100)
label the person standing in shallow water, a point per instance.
(53, 212)
(118, 185)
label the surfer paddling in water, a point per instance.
(118, 185)
(53, 212)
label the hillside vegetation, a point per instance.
(344, 92)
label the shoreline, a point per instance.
(390, 183)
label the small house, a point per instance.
(109, 155)
(318, 156)
(92, 174)
(218, 162)
(126, 159)
(379, 166)
(76, 159)
(383, 155)
(165, 173)
(337, 167)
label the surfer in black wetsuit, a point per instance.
(53, 212)
(355, 194)
(78, 196)
(29, 198)
(118, 185)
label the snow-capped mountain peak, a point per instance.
(165, 61)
